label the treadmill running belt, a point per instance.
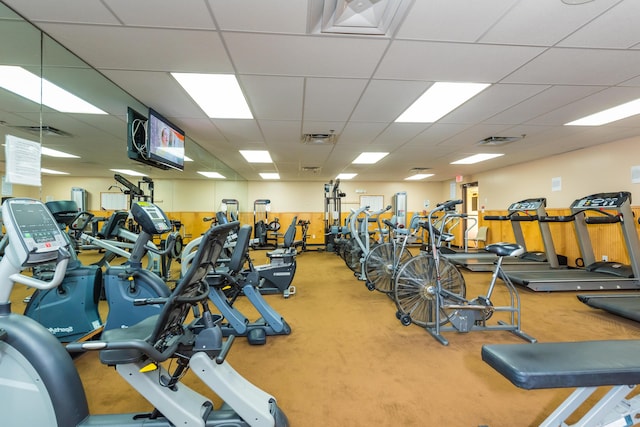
(627, 306)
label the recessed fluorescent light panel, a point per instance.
(256, 156)
(369, 158)
(346, 176)
(55, 153)
(211, 174)
(53, 172)
(270, 175)
(613, 114)
(28, 85)
(219, 95)
(128, 172)
(418, 176)
(476, 158)
(440, 99)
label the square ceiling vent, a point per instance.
(319, 138)
(364, 17)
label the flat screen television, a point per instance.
(137, 137)
(165, 141)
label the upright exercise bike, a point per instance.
(39, 385)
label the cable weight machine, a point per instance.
(332, 213)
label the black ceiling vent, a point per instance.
(46, 130)
(499, 140)
(319, 138)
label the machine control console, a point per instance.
(33, 231)
(150, 217)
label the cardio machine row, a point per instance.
(46, 390)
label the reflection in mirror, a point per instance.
(98, 140)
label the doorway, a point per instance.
(470, 208)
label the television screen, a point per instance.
(165, 141)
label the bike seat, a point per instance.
(505, 249)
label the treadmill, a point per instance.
(523, 211)
(603, 208)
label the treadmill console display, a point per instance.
(602, 200)
(527, 205)
(31, 223)
(150, 217)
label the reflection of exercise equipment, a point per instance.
(262, 226)
(276, 277)
(41, 386)
(362, 238)
(430, 291)
(226, 286)
(586, 366)
(69, 311)
(230, 207)
(332, 213)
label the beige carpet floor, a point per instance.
(349, 361)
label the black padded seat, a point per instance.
(505, 249)
(139, 332)
(566, 364)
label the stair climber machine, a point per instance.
(128, 283)
(40, 386)
(228, 282)
(70, 310)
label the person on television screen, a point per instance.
(164, 137)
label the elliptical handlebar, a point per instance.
(61, 268)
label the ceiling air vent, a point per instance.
(319, 138)
(310, 169)
(46, 130)
(499, 140)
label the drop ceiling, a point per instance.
(548, 63)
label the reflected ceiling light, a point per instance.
(613, 114)
(440, 99)
(28, 85)
(476, 158)
(346, 176)
(418, 176)
(211, 174)
(128, 172)
(218, 95)
(53, 172)
(270, 175)
(55, 153)
(256, 156)
(188, 159)
(368, 158)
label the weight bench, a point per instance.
(583, 365)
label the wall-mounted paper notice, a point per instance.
(22, 161)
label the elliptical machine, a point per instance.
(70, 310)
(39, 384)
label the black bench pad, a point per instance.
(566, 364)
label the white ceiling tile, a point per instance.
(623, 17)
(445, 20)
(431, 61)
(145, 48)
(239, 131)
(274, 97)
(273, 16)
(90, 12)
(331, 99)
(385, 100)
(313, 56)
(189, 14)
(565, 66)
(551, 98)
(555, 20)
(490, 101)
